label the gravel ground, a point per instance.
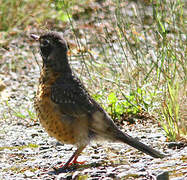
(27, 152)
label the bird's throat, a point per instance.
(48, 76)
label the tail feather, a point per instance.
(103, 126)
(138, 145)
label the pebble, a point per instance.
(121, 175)
(64, 176)
(163, 176)
(176, 145)
(28, 174)
(43, 148)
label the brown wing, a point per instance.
(72, 97)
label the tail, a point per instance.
(103, 126)
(138, 145)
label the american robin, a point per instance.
(65, 108)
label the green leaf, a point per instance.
(112, 98)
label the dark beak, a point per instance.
(35, 37)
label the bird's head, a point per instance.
(53, 49)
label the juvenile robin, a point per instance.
(65, 108)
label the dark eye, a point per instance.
(45, 43)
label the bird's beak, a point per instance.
(35, 37)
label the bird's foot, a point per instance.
(70, 167)
(61, 169)
(75, 162)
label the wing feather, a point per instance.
(72, 97)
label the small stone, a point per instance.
(122, 174)
(111, 175)
(28, 151)
(176, 145)
(2, 85)
(59, 148)
(46, 156)
(96, 175)
(101, 171)
(163, 176)
(95, 156)
(66, 176)
(34, 135)
(43, 147)
(135, 160)
(28, 174)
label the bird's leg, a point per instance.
(74, 157)
(75, 160)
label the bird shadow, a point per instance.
(72, 168)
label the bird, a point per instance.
(65, 108)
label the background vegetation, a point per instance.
(131, 55)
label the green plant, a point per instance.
(20, 14)
(134, 58)
(137, 61)
(116, 107)
(61, 6)
(170, 114)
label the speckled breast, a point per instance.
(50, 116)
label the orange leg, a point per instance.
(77, 162)
(74, 158)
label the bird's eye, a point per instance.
(45, 42)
